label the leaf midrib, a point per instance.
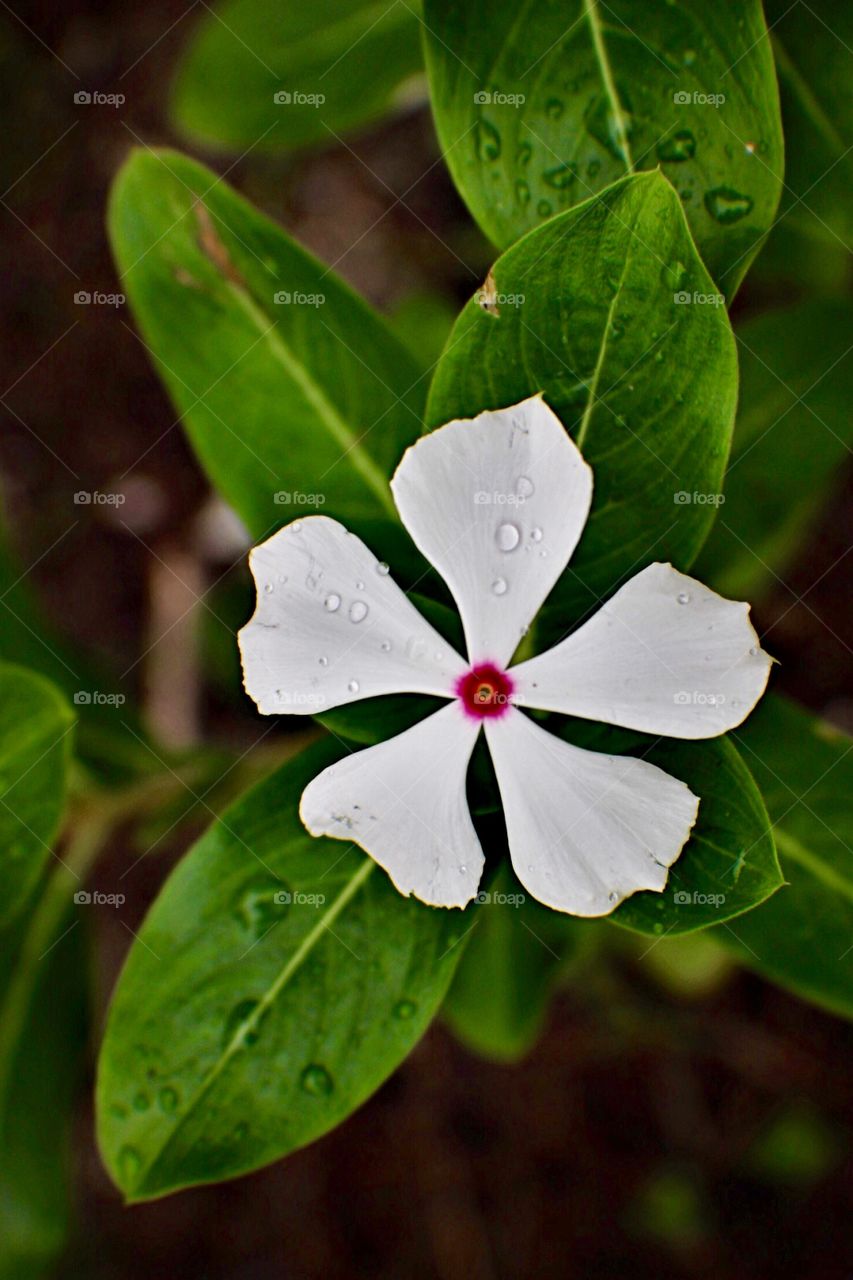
(338, 428)
(600, 50)
(237, 1041)
(792, 848)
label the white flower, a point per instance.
(497, 504)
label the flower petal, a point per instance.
(585, 829)
(497, 504)
(403, 801)
(331, 627)
(665, 655)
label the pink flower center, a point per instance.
(485, 690)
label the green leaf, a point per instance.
(292, 407)
(812, 44)
(729, 864)
(42, 978)
(42, 1046)
(244, 1025)
(499, 996)
(35, 741)
(607, 89)
(644, 384)
(801, 938)
(352, 55)
(792, 437)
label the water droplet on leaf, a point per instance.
(316, 1080)
(727, 205)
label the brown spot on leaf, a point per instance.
(212, 246)
(488, 296)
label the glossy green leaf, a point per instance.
(499, 996)
(277, 981)
(35, 741)
(589, 314)
(802, 937)
(540, 106)
(275, 75)
(729, 864)
(293, 407)
(792, 437)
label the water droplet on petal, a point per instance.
(332, 603)
(499, 587)
(507, 536)
(683, 597)
(296, 526)
(316, 1080)
(381, 568)
(385, 646)
(536, 534)
(353, 686)
(324, 661)
(269, 588)
(358, 611)
(524, 487)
